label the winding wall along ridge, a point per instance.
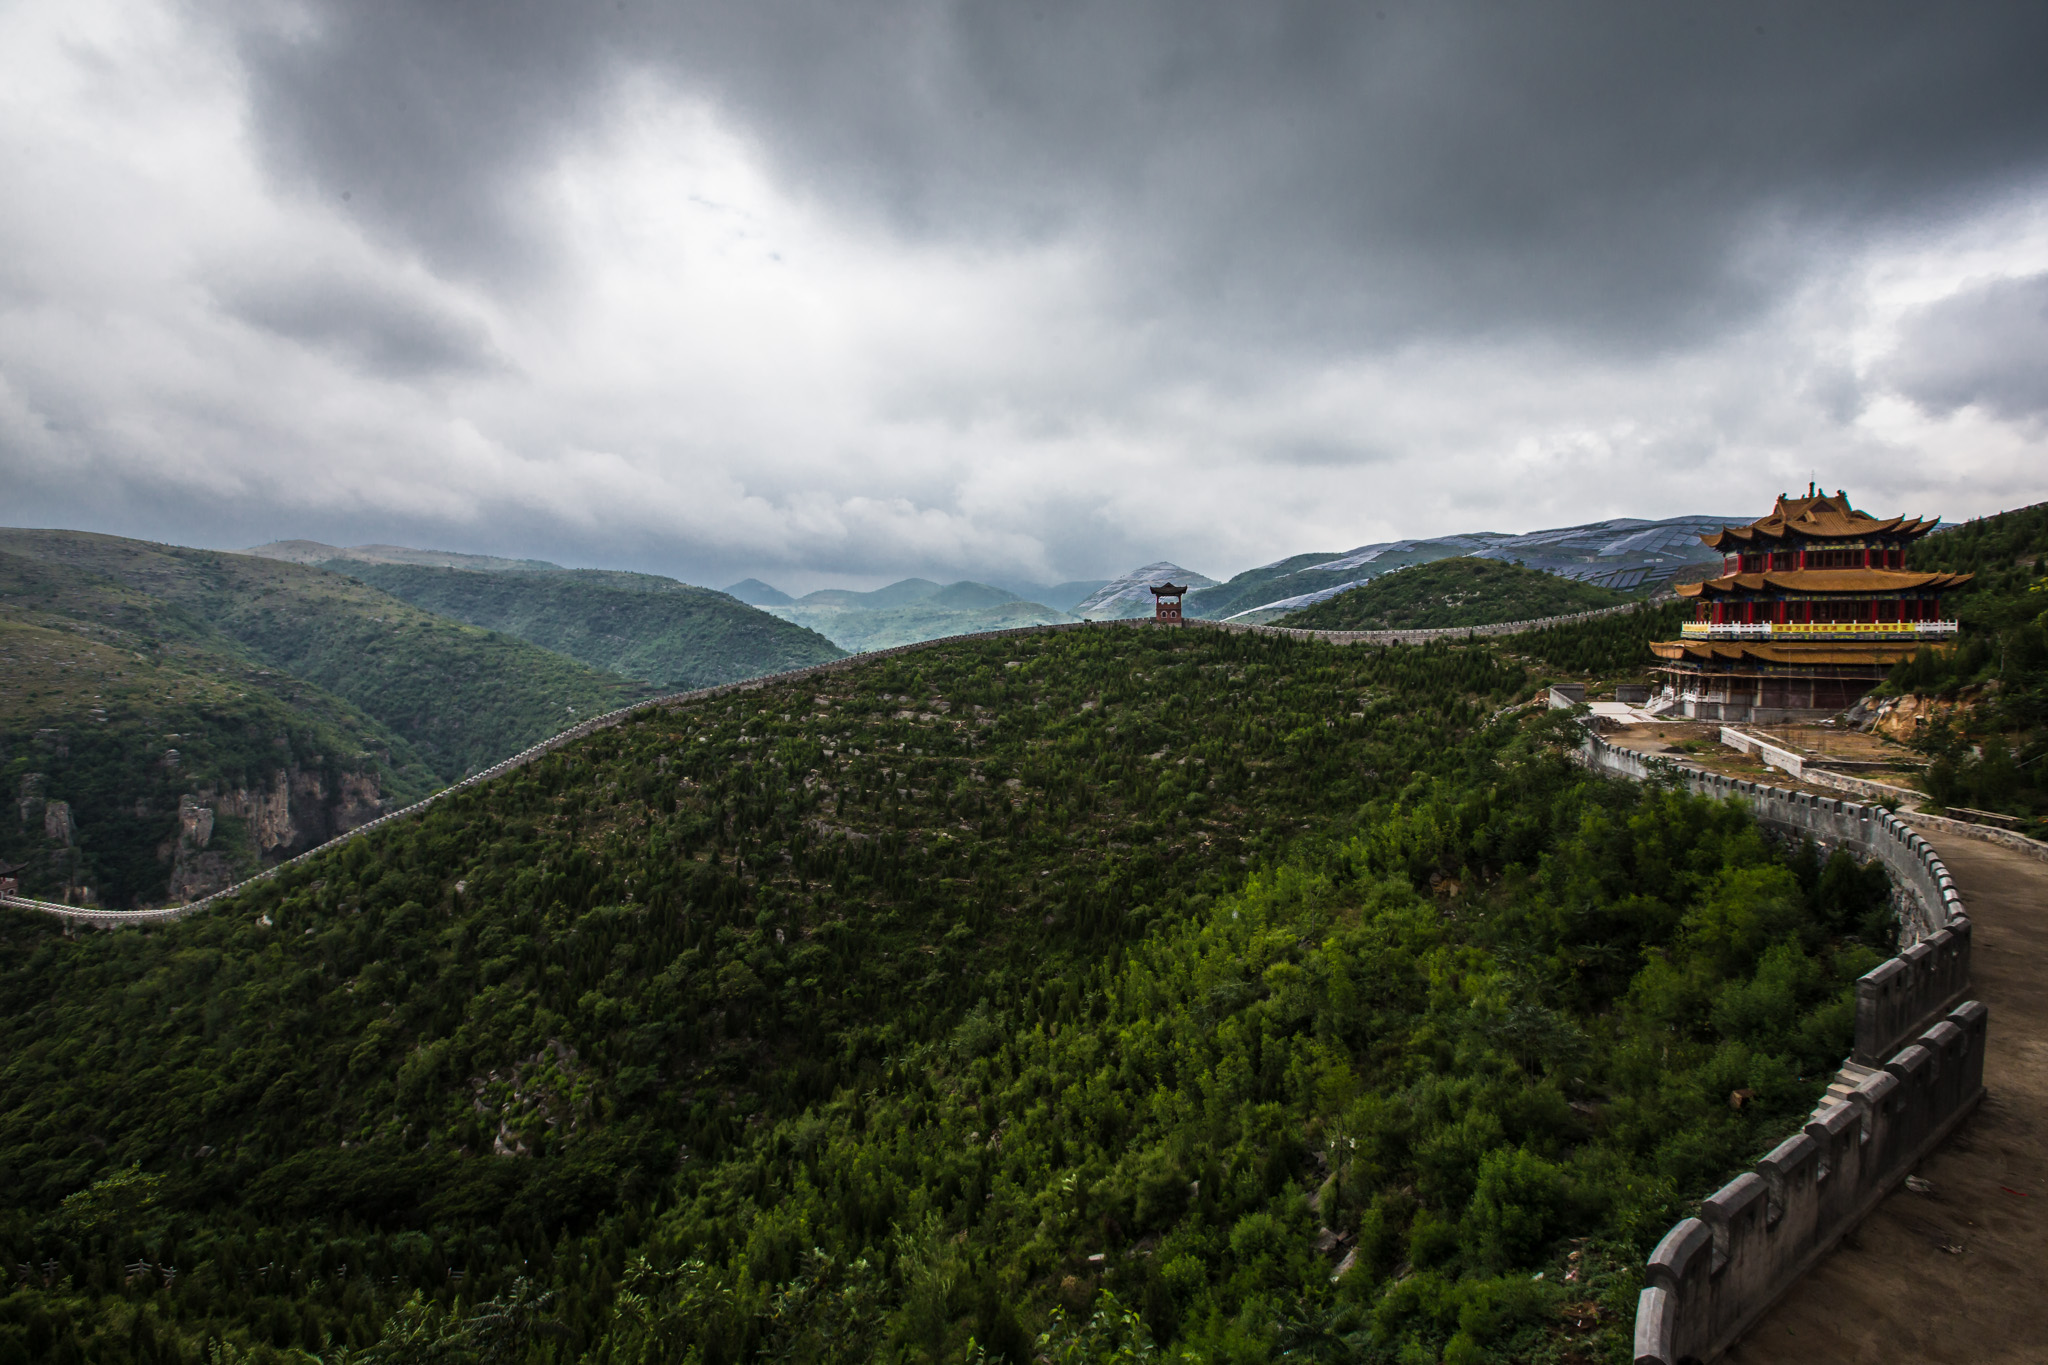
(89, 915)
(1713, 1276)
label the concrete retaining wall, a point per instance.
(1784, 760)
(1714, 1275)
(1792, 764)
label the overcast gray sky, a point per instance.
(838, 292)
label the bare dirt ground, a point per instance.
(1958, 1274)
(1699, 744)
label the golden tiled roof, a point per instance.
(1825, 580)
(1817, 517)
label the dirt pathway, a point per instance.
(1958, 1274)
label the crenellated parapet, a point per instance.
(1715, 1274)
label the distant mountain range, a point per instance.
(902, 613)
(1625, 553)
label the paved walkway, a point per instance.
(1960, 1273)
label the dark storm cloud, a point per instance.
(376, 327)
(1300, 175)
(1986, 346)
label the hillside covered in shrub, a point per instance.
(1466, 591)
(1987, 753)
(1118, 993)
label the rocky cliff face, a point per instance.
(223, 833)
(54, 860)
(291, 813)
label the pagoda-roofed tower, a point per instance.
(1166, 602)
(1813, 607)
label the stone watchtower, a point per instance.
(1166, 603)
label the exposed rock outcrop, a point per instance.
(1906, 718)
(29, 798)
(292, 812)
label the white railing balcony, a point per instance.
(1820, 630)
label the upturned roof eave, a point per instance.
(1823, 581)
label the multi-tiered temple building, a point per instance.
(1813, 607)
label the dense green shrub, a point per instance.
(1987, 754)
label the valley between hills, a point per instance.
(1111, 993)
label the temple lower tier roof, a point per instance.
(1825, 581)
(1818, 655)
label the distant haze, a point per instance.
(836, 295)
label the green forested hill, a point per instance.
(1453, 592)
(1170, 992)
(1608, 648)
(1989, 757)
(462, 697)
(643, 626)
(288, 700)
(116, 704)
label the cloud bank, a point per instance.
(835, 293)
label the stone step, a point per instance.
(1844, 1084)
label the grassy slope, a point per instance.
(461, 697)
(1453, 592)
(869, 1009)
(654, 629)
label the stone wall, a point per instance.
(1714, 1275)
(1414, 637)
